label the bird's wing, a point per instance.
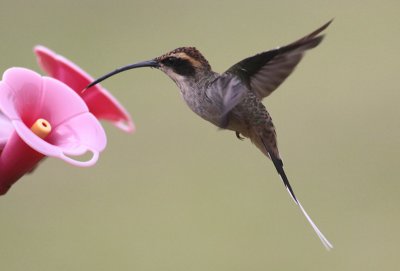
(264, 72)
(229, 91)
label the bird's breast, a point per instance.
(202, 104)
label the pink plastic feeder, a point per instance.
(100, 102)
(48, 119)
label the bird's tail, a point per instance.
(279, 167)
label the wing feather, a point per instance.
(229, 91)
(264, 72)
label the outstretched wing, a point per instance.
(264, 72)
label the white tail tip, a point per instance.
(321, 236)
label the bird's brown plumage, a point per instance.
(233, 100)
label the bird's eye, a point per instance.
(171, 61)
(179, 65)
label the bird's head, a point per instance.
(181, 64)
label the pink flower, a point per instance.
(6, 130)
(62, 125)
(100, 102)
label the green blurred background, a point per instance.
(181, 195)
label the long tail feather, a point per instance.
(279, 167)
(321, 236)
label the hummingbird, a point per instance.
(233, 100)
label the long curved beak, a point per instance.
(150, 63)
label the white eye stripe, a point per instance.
(184, 56)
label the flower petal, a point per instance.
(100, 102)
(59, 105)
(16, 95)
(78, 135)
(27, 96)
(6, 130)
(74, 129)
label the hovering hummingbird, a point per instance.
(233, 100)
